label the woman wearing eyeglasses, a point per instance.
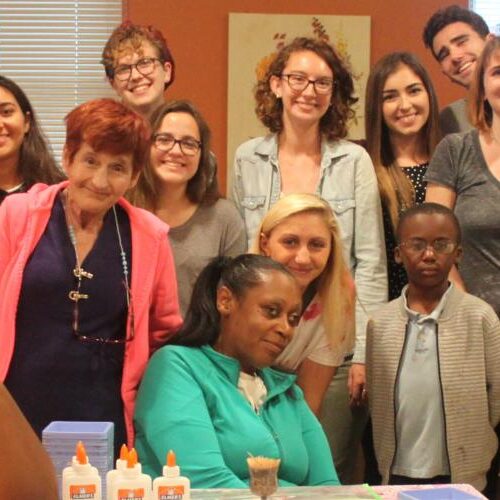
(179, 185)
(306, 99)
(139, 66)
(87, 282)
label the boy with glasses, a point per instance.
(456, 37)
(139, 66)
(433, 364)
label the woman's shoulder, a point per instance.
(459, 141)
(143, 219)
(261, 146)
(177, 354)
(216, 216)
(456, 152)
(38, 196)
(348, 151)
(343, 146)
(225, 208)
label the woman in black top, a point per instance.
(401, 131)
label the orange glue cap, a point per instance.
(123, 452)
(171, 459)
(81, 455)
(131, 459)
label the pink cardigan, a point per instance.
(23, 219)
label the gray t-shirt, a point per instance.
(458, 163)
(212, 231)
(455, 118)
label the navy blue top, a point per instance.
(53, 375)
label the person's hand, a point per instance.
(356, 384)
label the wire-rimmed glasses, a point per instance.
(144, 66)
(440, 246)
(76, 296)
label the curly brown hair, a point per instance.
(129, 35)
(333, 123)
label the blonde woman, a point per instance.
(301, 232)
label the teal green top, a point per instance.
(189, 402)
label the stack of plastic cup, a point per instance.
(60, 439)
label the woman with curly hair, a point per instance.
(139, 66)
(305, 99)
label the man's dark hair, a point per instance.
(428, 209)
(449, 15)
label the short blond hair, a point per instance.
(335, 285)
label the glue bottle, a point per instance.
(121, 464)
(80, 479)
(171, 486)
(131, 482)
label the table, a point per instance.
(326, 492)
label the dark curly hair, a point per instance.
(333, 123)
(133, 35)
(452, 14)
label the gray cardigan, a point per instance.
(469, 364)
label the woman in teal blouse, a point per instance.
(213, 398)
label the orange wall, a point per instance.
(197, 33)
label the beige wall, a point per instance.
(197, 33)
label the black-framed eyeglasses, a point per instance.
(76, 296)
(165, 142)
(299, 83)
(144, 66)
(439, 246)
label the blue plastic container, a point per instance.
(89, 430)
(60, 437)
(436, 494)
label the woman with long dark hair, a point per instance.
(402, 131)
(179, 185)
(25, 157)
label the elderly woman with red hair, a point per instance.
(87, 282)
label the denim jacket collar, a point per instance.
(268, 148)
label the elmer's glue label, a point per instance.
(171, 486)
(121, 464)
(81, 481)
(131, 483)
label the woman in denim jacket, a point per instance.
(306, 99)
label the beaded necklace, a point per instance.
(78, 271)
